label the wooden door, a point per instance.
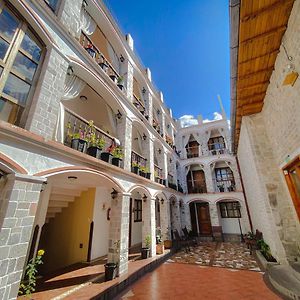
(292, 176)
(193, 219)
(204, 219)
(199, 181)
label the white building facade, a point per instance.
(73, 96)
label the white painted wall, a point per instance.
(101, 224)
(230, 225)
(136, 229)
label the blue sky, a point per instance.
(185, 43)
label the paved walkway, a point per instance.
(172, 281)
(228, 255)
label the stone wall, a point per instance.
(268, 141)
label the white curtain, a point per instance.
(88, 25)
(73, 87)
(185, 140)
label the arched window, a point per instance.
(20, 54)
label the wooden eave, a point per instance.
(262, 24)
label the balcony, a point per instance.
(197, 188)
(171, 183)
(158, 175)
(169, 141)
(139, 165)
(100, 59)
(218, 151)
(84, 136)
(156, 126)
(140, 106)
(192, 152)
(221, 186)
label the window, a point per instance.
(216, 143)
(52, 4)
(230, 209)
(137, 210)
(20, 53)
(224, 174)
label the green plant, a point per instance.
(265, 249)
(117, 152)
(121, 80)
(135, 164)
(28, 285)
(143, 169)
(101, 143)
(148, 241)
(155, 174)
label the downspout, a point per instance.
(243, 189)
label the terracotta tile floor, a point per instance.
(173, 281)
(228, 255)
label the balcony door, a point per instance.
(192, 149)
(196, 181)
(292, 176)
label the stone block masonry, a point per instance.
(19, 200)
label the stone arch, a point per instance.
(8, 165)
(80, 169)
(140, 188)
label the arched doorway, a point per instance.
(200, 218)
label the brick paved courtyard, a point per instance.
(228, 255)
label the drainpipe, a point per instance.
(246, 201)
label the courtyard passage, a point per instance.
(216, 271)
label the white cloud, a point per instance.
(217, 116)
(188, 120)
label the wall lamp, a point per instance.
(122, 59)
(144, 198)
(144, 137)
(70, 71)
(119, 115)
(72, 178)
(162, 201)
(143, 90)
(159, 151)
(83, 98)
(114, 194)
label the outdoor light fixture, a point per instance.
(114, 194)
(168, 126)
(119, 115)
(158, 111)
(84, 3)
(162, 201)
(122, 59)
(70, 71)
(72, 178)
(144, 137)
(44, 184)
(143, 90)
(170, 160)
(83, 98)
(144, 198)
(159, 151)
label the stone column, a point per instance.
(209, 179)
(44, 111)
(148, 152)
(149, 105)
(19, 200)
(214, 219)
(165, 219)
(163, 124)
(124, 128)
(119, 232)
(187, 216)
(127, 73)
(148, 217)
(165, 165)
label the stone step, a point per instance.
(284, 281)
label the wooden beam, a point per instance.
(266, 9)
(252, 86)
(256, 73)
(275, 30)
(260, 56)
(252, 96)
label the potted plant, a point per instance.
(105, 156)
(221, 188)
(117, 156)
(78, 141)
(146, 250)
(104, 66)
(135, 167)
(159, 243)
(96, 146)
(120, 83)
(114, 78)
(142, 171)
(147, 171)
(112, 267)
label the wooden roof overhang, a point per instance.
(261, 26)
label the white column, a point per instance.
(165, 219)
(119, 232)
(165, 165)
(127, 73)
(209, 179)
(149, 105)
(124, 128)
(148, 223)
